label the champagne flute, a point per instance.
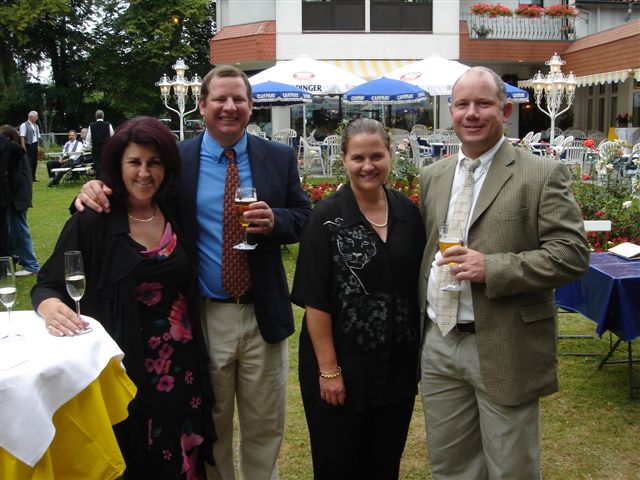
(75, 280)
(451, 236)
(244, 197)
(8, 294)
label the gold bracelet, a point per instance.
(331, 374)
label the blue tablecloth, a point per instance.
(608, 294)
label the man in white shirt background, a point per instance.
(29, 138)
(71, 152)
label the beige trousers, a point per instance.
(248, 372)
(468, 435)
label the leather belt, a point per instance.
(469, 328)
(242, 300)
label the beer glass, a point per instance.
(245, 196)
(451, 235)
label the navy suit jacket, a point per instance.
(274, 170)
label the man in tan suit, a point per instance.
(482, 380)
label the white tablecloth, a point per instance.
(39, 374)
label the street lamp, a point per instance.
(180, 86)
(556, 88)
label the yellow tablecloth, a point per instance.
(84, 447)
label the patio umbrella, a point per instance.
(386, 91)
(310, 75)
(434, 74)
(276, 94)
(517, 95)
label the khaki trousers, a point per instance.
(248, 372)
(468, 435)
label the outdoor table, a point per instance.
(609, 294)
(59, 398)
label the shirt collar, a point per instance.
(210, 145)
(353, 215)
(485, 158)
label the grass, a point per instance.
(590, 429)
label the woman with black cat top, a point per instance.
(357, 279)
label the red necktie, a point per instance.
(235, 266)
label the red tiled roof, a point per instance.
(249, 42)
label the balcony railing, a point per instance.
(519, 28)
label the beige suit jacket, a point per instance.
(529, 228)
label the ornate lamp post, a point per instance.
(180, 86)
(557, 88)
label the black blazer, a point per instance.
(274, 170)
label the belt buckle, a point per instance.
(464, 332)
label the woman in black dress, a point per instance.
(141, 286)
(357, 279)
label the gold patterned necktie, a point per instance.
(235, 266)
(447, 302)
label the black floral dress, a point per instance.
(173, 409)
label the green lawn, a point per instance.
(590, 429)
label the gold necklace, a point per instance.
(144, 220)
(386, 214)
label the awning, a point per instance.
(369, 69)
(596, 78)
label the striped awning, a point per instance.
(597, 78)
(369, 69)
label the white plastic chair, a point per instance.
(451, 146)
(312, 158)
(420, 131)
(333, 147)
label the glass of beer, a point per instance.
(245, 196)
(450, 236)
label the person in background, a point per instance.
(489, 351)
(141, 285)
(11, 154)
(71, 153)
(246, 317)
(29, 138)
(97, 135)
(20, 243)
(357, 279)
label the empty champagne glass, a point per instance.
(451, 236)
(75, 280)
(8, 294)
(244, 197)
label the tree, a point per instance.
(139, 40)
(54, 31)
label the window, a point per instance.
(401, 15)
(333, 15)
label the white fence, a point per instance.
(519, 28)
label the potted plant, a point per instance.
(491, 10)
(529, 11)
(559, 10)
(482, 31)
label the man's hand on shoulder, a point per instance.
(94, 195)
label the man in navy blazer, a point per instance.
(246, 335)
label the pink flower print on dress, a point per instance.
(166, 454)
(188, 443)
(188, 377)
(165, 351)
(165, 384)
(149, 293)
(154, 342)
(180, 326)
(169, 247)
(158, 366)
(196, 402)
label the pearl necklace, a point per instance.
(144, 220)
(386, 214)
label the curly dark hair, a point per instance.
(142, 131)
